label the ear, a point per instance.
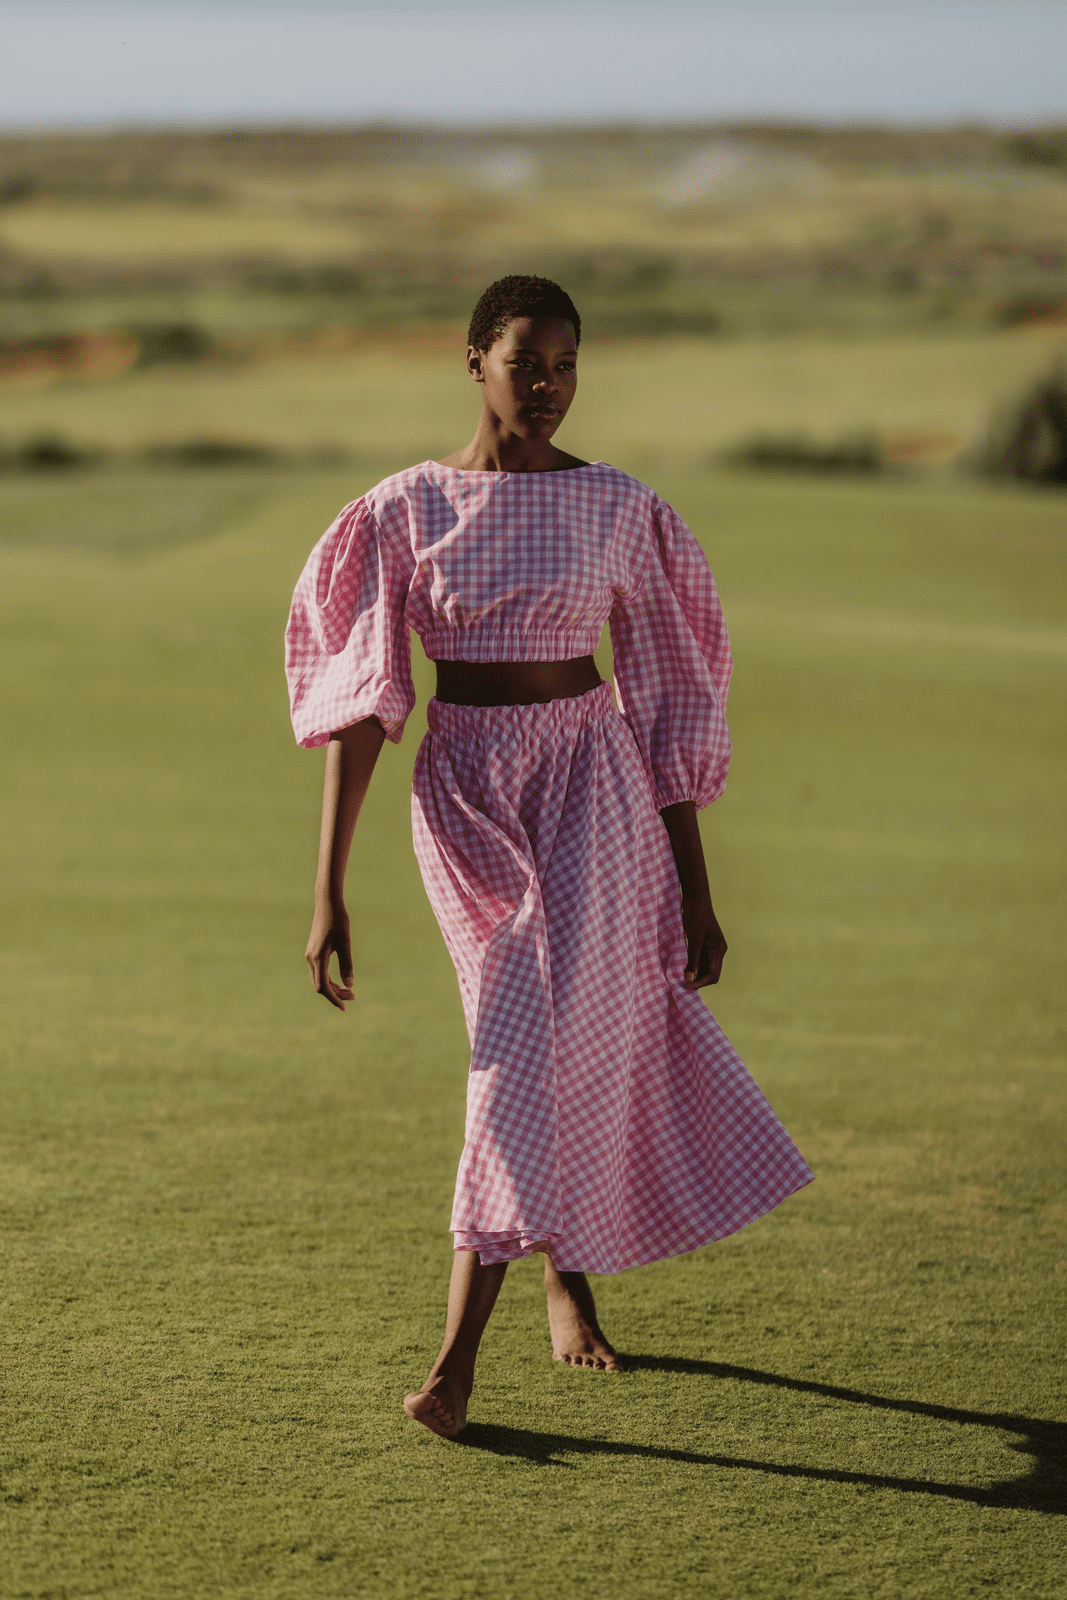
(474, 363)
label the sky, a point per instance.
(87, 63)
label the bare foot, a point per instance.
(577, 1338)
(440, 1405)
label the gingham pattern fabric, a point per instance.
(498, 566)
(608, 1117)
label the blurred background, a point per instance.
(779, 219)
(820, 252)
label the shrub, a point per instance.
(328, 277)
(1022, 310)
(1044, 148)
(18, 186)
(213, 452)
(795, 452)
(1029, 441)
(172, 341)
(50, 452)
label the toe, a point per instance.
(431, 1413)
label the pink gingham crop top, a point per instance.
(527, 566)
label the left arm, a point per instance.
(704, 939)
(672, 670)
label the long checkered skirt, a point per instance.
(609, 1120)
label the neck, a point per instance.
(493, 451)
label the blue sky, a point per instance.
(98, 62)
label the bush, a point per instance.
(795, 452)
(18, 186)
(50, 452)
(172, 341)
(1029, 442)
(327, 277)
(213, 452)
(1023, 310)
(1047, 148)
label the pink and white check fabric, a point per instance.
(505, 566)
(608, 1117)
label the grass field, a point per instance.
(253, 234)
(226, 1205)
(668, 401)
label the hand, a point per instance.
(704, 941)
(329, 935)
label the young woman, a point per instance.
(609, 1121)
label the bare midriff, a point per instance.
(514, 683)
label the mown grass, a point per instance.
(226, 1205)
(666, 400)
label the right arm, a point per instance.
(350, 758)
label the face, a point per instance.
(530, 374)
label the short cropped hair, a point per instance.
(519, 295)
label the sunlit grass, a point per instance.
(666, 399)
(294, 214)
(227, 1205)
(146, 230)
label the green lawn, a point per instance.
(660, 400)
(226, 1205)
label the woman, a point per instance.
(609, 1121)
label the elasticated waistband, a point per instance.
(520, 722)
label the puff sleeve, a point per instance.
(672, 666)
(347, 646)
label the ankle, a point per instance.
(455, 1367)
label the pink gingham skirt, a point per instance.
(609, 1120)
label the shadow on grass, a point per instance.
(1043, 1489)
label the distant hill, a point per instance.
(710, 229)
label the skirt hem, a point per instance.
(494, 1248)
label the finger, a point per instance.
(319, 963)
(343, 946)
(340, 990)
(696, 964)
(707, 967)
(716, 953)
(330, 992)
(719, 948)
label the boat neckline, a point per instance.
(509, 472)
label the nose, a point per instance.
(546, 383)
